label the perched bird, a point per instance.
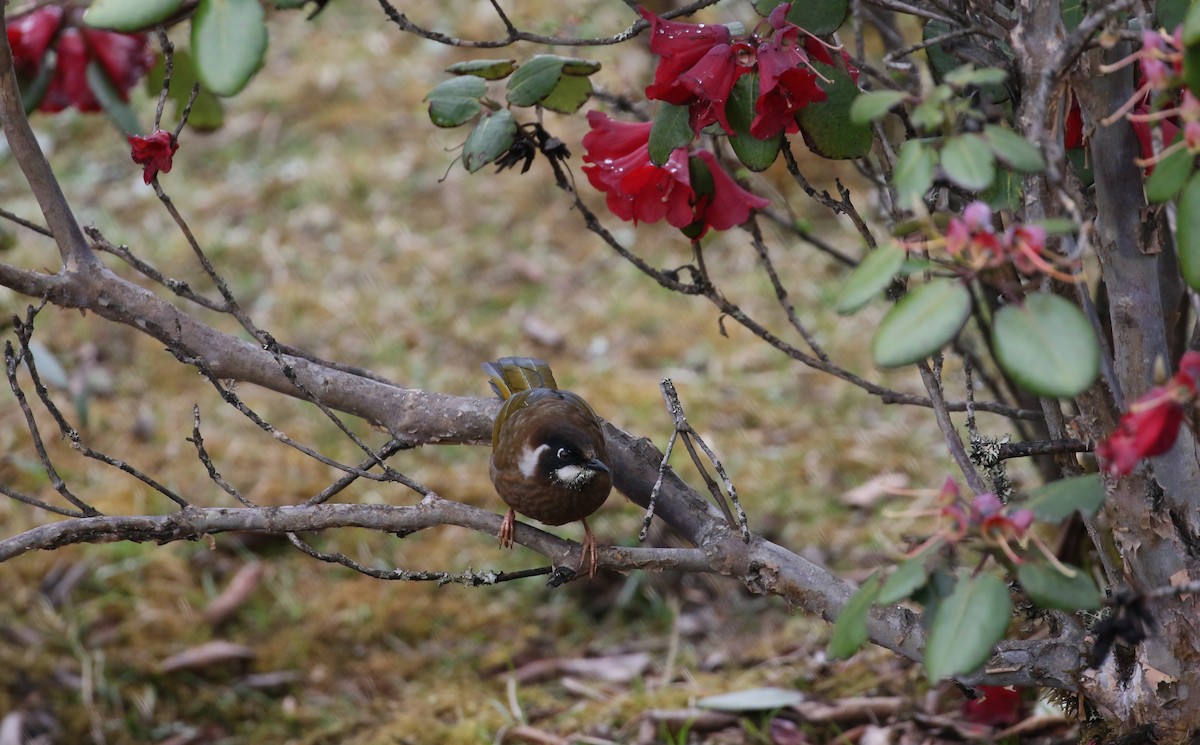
(549, 461)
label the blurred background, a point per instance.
(345, 224)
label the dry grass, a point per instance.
(323, 202)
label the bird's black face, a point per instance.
(564, 458)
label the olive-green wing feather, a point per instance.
(509, 375)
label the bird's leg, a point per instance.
(589, 550)
(507, 528)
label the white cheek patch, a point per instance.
(574, 476)
(529, 460)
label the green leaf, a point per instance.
(907, 579)
(1170, 13)
(818, 17)
(579, 67)
(967, 626)
(764, 7)
(1047, 346)
(850, 629)
(924, 321)
(870, 278)
(753, 699)
(456, 101)
(535, 79)
(940, 61)
(1058, 500)
(1187, 231)
(207, 113)
(968, 162)
(966, 75)
(1005, 191)
(1050, 588)
(671, 130)
(34, 90)
(1191, 26)
(755, 154)
(491, 138)
(913, 174)
(129, 15)
(826, 125)
(1073, 13)
(110, 99)
(488, 69)
(1191, 66)
(872, 105)
(229, 41)
(571, 93)
(1013, 149)
(1169, 176)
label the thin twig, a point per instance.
(949, 433)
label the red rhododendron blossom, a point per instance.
(124, 58)
(786, 84)
(617, 162)
(153, 153)
(1148, 428)
(699, 65)
(30, 36)
(995, 706)
(730, 204)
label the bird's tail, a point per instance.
(509, 375)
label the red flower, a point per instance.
(996, 707)
(786, 84)
(729, 204)
(691, 191)
(153, 153)
(679, 46)
(124, 58)
(30, 36)
(1148, 428)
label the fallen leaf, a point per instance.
(206, 655)
(245, 581)
(869, 493)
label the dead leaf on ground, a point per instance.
(868, 494)
(207, 655)
(620, 668)
(240, 589)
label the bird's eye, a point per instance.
(563, 454)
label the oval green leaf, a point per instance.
(967, 626)
(535, 79)
(1187, 231)
(571, 93)
(826, 125)
(1050, 588)
(870, 277)
(907, 579)
(579, 67)
(850, 629)
(1047, 346)
(968, 161)
(488, 69)
(1010, 147)
(229, 41)
(1191, 26)
(872, 105)
(671, 130)
(1169, 176)
(491, 138)
(755, 154)
(818, 17)
(456, 101)
(129, 15)
(923, 322)
(913, 174)
(1058, 500)
(968, 74)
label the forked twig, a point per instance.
(690, 439)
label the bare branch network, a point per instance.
(412, 417)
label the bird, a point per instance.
(549, 459)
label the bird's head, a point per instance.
(562, 455)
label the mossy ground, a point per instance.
(326, 203)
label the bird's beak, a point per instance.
(595, 464)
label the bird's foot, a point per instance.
(589, 558)
(508, 527)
